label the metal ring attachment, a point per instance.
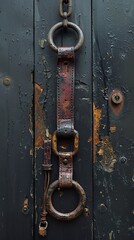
(60, 25)
(70, 215)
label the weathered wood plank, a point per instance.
(113, 25)
(16, 66)
(46, 15)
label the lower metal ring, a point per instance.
(60, 25)
(70, 215)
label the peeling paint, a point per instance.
(42, 43)
(31, 124)
(108, 156)
(96, 119)
(111, 235)
(97, 112)
(39, 118)
(105, 148)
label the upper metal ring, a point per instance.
(60, 25)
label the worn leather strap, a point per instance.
(65, 90)
(65, 136)
(65, 172)
(47, 167)
(65, 109)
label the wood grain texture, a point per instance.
(16, 62)
(113, 69)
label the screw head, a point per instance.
(123, 159)
(117, 97)
(6, 81)
(102, 208)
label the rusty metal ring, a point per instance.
(65, 154)
(70, 215)
(60, 25)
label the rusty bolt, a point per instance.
(117, 97)
(6, 81)
(102, 208)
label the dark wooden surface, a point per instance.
(113, 69)
(104, 165)
(16, 62)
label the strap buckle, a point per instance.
(75, 134)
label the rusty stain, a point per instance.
(97, 116)
(108, 156)
(39, 118)
(96, 119)
(42, 231)
(113, 129)
(105, 149)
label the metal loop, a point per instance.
(70, 215)
(69, 11)
(43, 225)
(60, 25)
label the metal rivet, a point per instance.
(86, 212)
(123, 159)
(117, 97)
(65, 161)
(102, 208)
(6, 81)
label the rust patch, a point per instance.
(108, 156)
(97, 112)
(39, 118)
(97, 116)
(105, 148)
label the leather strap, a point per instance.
(65, 110)
(65, 172)
(65, 136)
(47, 167)
(65, 90)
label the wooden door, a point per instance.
(103, 117)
